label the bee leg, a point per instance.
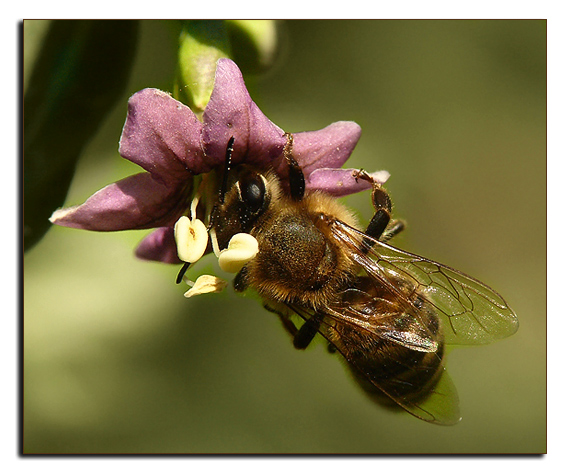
(300, 341)
(296, 176)
(303, 336)
(378, 224)
(240, 281)
(285, 320)
(381, 226)
(393, 228)
(383, 205)
(287, 323)
(307, 332)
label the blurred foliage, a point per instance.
(255, 44)
(116, 360)
(81, 70)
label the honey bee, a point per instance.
(389, 313)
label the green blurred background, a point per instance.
(117, 361)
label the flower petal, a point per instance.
(136, 202)
(329, 147)
(162, 136)
(159, 246)
(231, 112)
(341, 182)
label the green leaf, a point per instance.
(80, 72)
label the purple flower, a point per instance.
(171, 144)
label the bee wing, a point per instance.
(438, 405)
(472, 313)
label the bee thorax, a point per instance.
(296, 261)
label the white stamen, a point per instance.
(242, 248)
(191, 239)
(205, 284)
(193, 206)
(215, 245)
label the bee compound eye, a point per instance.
(253, 192)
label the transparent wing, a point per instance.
(439, 403)
(472, 313)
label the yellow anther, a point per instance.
(191, 239)
(242, 248)
(205, 284)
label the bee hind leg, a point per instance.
(392, 229)
(378, 224)
(381, 226)
(303, 336)
(307, 332)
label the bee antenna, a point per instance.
(227, 165)
(296, 176)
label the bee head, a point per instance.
(244, 196)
